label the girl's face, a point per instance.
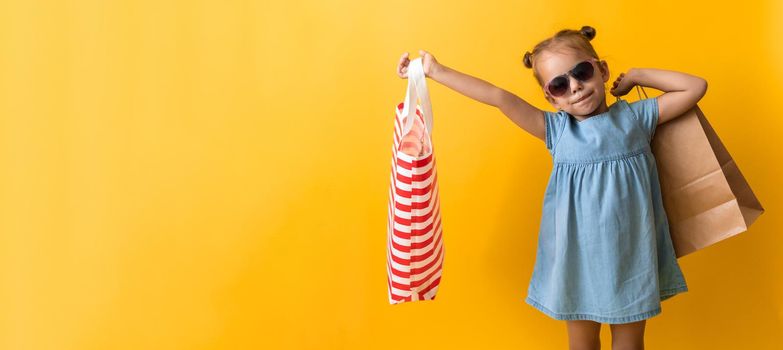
(582, 98)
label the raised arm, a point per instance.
(681, 91)
(526, 116)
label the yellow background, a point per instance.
(214, 174)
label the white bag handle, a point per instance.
(417, 87)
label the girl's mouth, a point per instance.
(583, 98)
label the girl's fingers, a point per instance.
(402, 67)
(403, 58)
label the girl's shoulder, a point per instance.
(645, 113)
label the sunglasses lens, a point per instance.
(558, 86)
(583, 71)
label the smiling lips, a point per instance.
(583, 98)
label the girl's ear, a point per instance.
(604, 70)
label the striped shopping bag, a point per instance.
(415, 238)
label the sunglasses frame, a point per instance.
(571, 73)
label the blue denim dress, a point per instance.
(604, 250)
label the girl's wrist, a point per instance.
(435, 71)
(635, 74)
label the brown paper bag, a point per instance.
(705, 196)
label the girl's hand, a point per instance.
(429, 63)
(622, 85)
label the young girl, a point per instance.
(604, 252)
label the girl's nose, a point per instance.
(576, 85)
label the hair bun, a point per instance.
(588, 32)
(526, 60)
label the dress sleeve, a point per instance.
(646, 114)
(555, 121)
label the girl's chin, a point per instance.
(584, 106)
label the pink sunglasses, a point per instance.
(559, 85)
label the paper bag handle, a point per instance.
(637, 92)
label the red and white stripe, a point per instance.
(415, 248)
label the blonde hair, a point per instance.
(575, 39)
